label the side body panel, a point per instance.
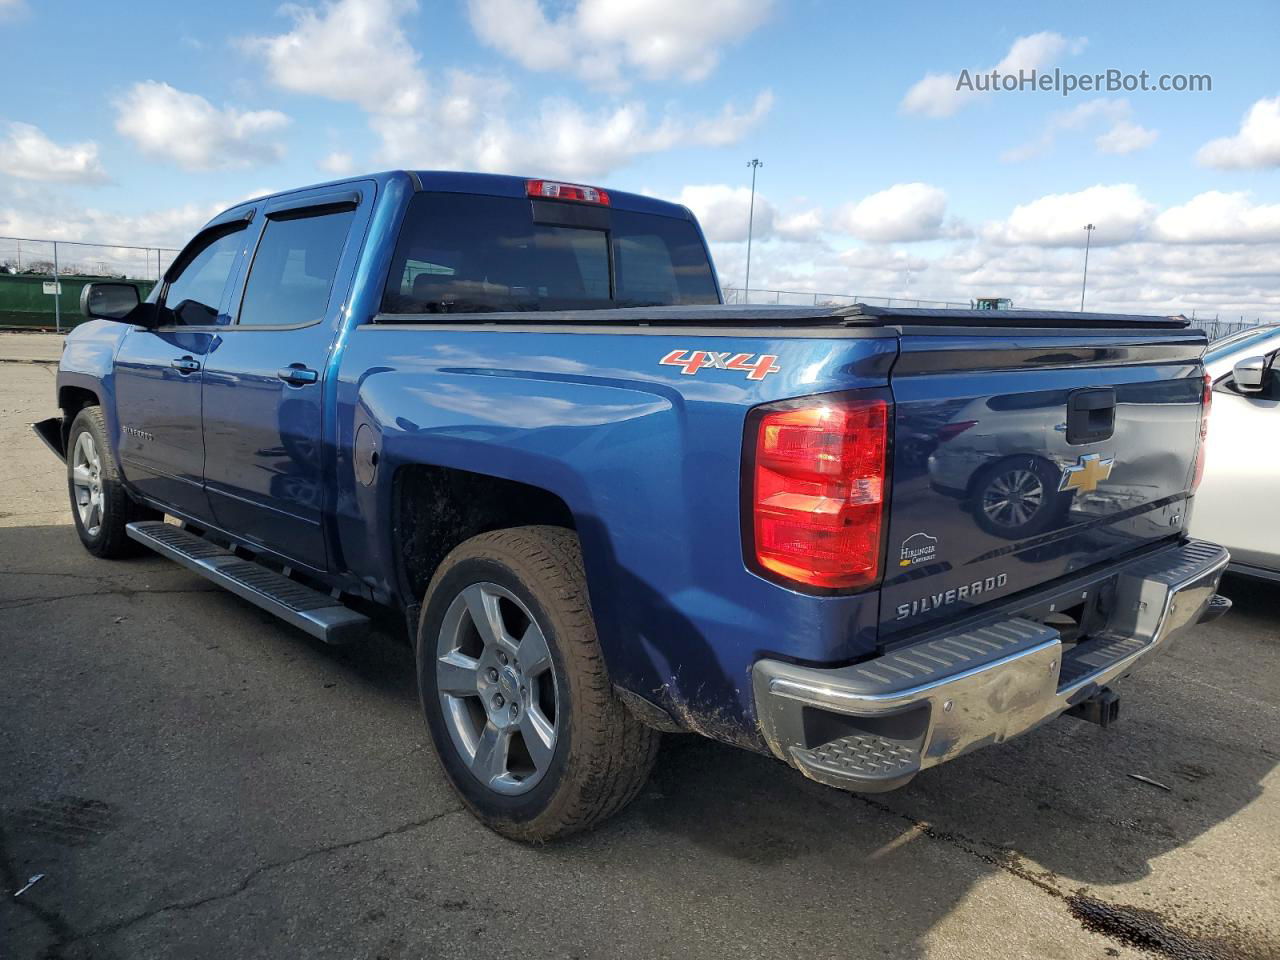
(647, 459)
(1236, 500)
(1235, 503)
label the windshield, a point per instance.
(463, 253)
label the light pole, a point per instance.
(751, 216)
(1088, 234)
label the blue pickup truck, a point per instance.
(606, 505)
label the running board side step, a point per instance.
(319, 614)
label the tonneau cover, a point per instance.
(856, 314)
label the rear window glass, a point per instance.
(462, 253)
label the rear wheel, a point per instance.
(515, 692)
(100, 506)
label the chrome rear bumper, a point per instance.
(873, 726)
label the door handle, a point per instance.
(185, 364)
(297, 375)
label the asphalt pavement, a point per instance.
(190, 778)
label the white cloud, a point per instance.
(170, 227)
(1125, 137)
(1119, 211)
(11, 9)
(357, 51)
(903, 213)
(936, 94)
(802, 225)
(1218, 254)
(1216, 217)
(338, 162)
(468, 127)
(1121, 136)
(349, 50)
(188, 130)
(1256, 145)
(596, 39)
(29, 154)
(723, 211)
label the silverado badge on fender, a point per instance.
(1086, 473)
(692, 361)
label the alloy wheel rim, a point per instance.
(86, 483)
(498, 689)
(1013, 498)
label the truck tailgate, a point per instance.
(1021, 456)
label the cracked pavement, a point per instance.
(195, 779)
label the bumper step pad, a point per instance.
(857, 755)
(319, 614)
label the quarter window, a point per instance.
(293, 269)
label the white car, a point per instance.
(1236, 504)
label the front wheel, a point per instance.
(513, 684)
(100, 506)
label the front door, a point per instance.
(159, 373)
(265, 375)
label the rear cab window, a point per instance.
(468, 253)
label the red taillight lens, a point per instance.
(1206, 406)
(818, 490)
(554, 190)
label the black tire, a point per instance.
(105, 538)
(1042, 477)
(602, 754)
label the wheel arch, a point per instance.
(71, 400)
(435, 508)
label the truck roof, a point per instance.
(490, 184)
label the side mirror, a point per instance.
(108, 301)
(1248, 374)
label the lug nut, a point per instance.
(493, 675)
(502, 658)
(515, 710)
(498, 702)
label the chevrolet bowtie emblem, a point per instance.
(1086, 473)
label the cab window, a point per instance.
(293, 269)
(195, 295)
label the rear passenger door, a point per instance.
(266, 375)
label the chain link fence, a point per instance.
(41, 280)
(797, 298)
(1216, 328)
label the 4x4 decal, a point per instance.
(691, 361)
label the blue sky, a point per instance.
(876, 181)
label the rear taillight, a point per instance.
(554, 190)
(1206, 405)
(816, 470)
